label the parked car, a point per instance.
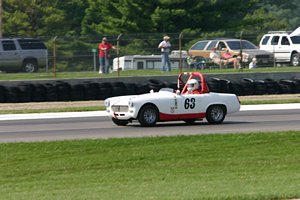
(22, 54)
(285, 46)
(170, 105)
(235, 47)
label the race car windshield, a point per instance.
(296, 39)
(236, 45)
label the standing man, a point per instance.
(104, 48)
(165, 46)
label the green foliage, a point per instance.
(196, 19)
(112, 17)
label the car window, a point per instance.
(295, 39)
(221, 46)
(284, 41)
(8, 45)
(236, 45)
(265, 40)
(275, 40)
(211, 45)
(199, 45)
(31, 44)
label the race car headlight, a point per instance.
(106, 103)
(130, 104)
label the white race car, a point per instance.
(190, 102)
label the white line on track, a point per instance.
(104, 113)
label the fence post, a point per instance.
(54, 56)
(241, 49)
(118, 52)
(180, 52)
(94, 58)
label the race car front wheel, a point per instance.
(148, 115)
(120, 122)
(215, 114)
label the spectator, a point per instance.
(165, 46)
(253, 63)
(230, 59)
(216, 57)
(104, 55)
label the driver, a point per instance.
(192, 87)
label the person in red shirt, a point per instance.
(104, 48)
(229, 58)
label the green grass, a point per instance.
(270, 101)
(91, 74)
(232, 166)
(67, 109)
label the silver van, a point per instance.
(22, 54)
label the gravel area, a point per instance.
(72, 104)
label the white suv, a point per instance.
(284, 45)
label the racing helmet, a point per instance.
(192, 85)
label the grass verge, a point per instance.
(231, 166)
(92, 74)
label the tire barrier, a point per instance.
(93, 90)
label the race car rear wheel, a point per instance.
(215, 114)
(148, 115)
(120, 122)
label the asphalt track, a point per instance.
(90, 125)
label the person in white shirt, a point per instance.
(253, 63)
(165, 46)
(216, 57)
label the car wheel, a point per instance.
(148, 115)
(190, 121)
(295, 60)
(215, 114)
(120, 122)
(30, 66)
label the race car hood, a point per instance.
(123, 100)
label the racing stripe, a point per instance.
(167, 117)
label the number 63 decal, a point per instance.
(189, 103)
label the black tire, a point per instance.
(148, 115)
(215, 114)
(120, 122)
(30, 66)
(295, 59)
(2, 94)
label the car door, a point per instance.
(9, 55)
(284, 49)
(277, 48)
(190, 106)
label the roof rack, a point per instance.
(287, 32)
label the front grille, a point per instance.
(262, 56)
(119, 108)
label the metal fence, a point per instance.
(81, 53)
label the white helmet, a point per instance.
(192, 85)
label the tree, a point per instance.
(31, 18)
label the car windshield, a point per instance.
(236, 45)
(199, 45)
(296, 39)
